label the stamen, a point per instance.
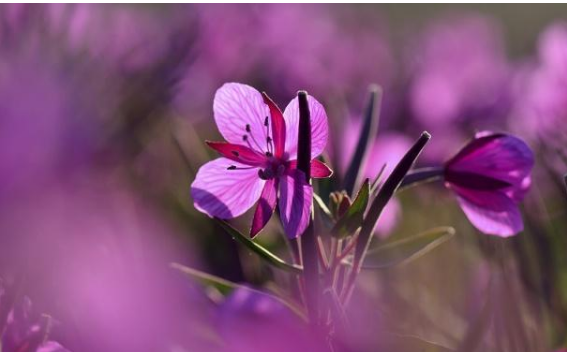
(233, 167)
(249, 131)
(268, 138)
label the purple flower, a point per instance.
(490, 176)
(259, 160)
(249, 318)
(23, 333)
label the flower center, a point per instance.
(274, 168)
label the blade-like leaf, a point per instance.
(403, 251)
(366, 138)
(352, 219)
(396, 342)
(225, 287)
(265, 254)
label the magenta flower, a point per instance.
(258, 163)
(490, 176)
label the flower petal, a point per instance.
(238, 153)
(237, 106)
(492, 213)
(265, 207)
(318, 168)
(319, 127)
(296, 197)
(278, 126)
(496, 156)
(224, 193)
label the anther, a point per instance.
(231, 167)
(266, 121)
(245, 138)
(235, 153)
(248, 128)
(268, 154)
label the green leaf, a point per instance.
(265, 254)
(225, 287)
(403, 251)
(353, 217)
(396, 342)
(365, 139)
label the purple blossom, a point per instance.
(490, 176)
(455, 87)
(258, 163)
(24, 333)
(249, 318)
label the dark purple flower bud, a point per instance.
(490, 176)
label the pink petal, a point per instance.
(278, 126)
(319, 127)
(238, 153)
(223, 193)
(236, 106)
(265, 207)
(492, 213)
(51, 346)
(318, 168)
(296, 197)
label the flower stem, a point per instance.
(422, 175)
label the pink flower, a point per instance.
(258, 163)
(490, 176)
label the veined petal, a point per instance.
(238, 153)
(296, 197)
(318, 168)
(278, 126)
(265, 207)
(224, 193)
(319, 127)
(239, 108)
(492, 213)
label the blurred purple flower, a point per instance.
(22, 331)
(454, 84)
(540, 111)
(490, 176)
(329, 51)
(122, 36)
(97, 257)
(259, 160)
(250, 320)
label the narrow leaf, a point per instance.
(225, 287)
(353, 217)
(366, 138)
(396, 342)
(265, 254)
(406, 250)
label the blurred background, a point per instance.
(104, 110)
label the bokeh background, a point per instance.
(104, 110)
